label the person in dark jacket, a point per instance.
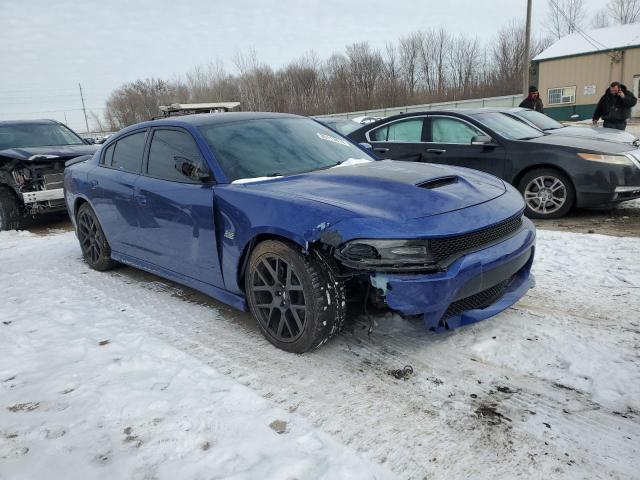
(533, 100)
(614, 107)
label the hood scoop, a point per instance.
(438, 182)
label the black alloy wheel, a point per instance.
(93, 243)
(279, 297)
(294, 296)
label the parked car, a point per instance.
(32, 158)
(553, 127)
(365, 119)
(279, 214)
(340, 125)
(554, 173)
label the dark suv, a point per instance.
(32, 159)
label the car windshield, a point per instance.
(36, 135)
(345, 127)
(507, 127)
(277, 147)
(540, 120)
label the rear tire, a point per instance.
(295, 299)
(93, 243)
(547, 193)
(10, 212)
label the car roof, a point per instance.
(462, 112)
(42, 121)
(473, 111)
(199, 119)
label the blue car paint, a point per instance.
(331, 206)
(431, 295)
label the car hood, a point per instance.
(389, 189)
(596, 133)
(582, 143)
(63, 152)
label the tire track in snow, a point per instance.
(373, 402)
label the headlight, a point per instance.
(613, 159)
(387, 254)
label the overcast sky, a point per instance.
(48, 46)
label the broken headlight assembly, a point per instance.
(389, 255)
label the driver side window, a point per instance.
(451, 130)
(174, 156)
(407, 131)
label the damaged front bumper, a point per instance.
(43, 195)
(475, 287)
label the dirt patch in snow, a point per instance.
(623, 220)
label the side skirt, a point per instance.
(235, 301)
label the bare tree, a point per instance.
(138, 101)
(435, 46)
(463, 58)
(409, 48)
(420, 67)
(565, 17)
(624, 11)
(97, 123)
(601, 19)
(365, 66)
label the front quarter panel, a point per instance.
(243, 215)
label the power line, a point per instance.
(54, 111)
(92, 99)
(592, 41)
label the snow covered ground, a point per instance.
(124, 375)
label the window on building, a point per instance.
(562, 95)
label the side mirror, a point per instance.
(90, 141)
(482, 140)
(191, 169)
(366, 146)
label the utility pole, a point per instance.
(86, 122)
(527, 42)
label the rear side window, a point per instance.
(172, 156)
(127, 155)
(403, 131)
(451, 130)
(108, 155)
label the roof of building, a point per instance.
(592, 41)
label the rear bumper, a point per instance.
(475, 287)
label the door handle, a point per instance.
(141, 199)
(381, 150)
(437, 151)
(93, 184)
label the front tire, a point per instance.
(296, 300)
(93, 243)
(10, 213)
(547, 193)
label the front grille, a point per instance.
(443, 248)
(479, 300)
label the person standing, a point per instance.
(533, 100)
(614, 107)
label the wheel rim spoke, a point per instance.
(545, 194)
(277, 296)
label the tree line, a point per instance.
(422, 67)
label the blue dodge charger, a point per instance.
(284, 217)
